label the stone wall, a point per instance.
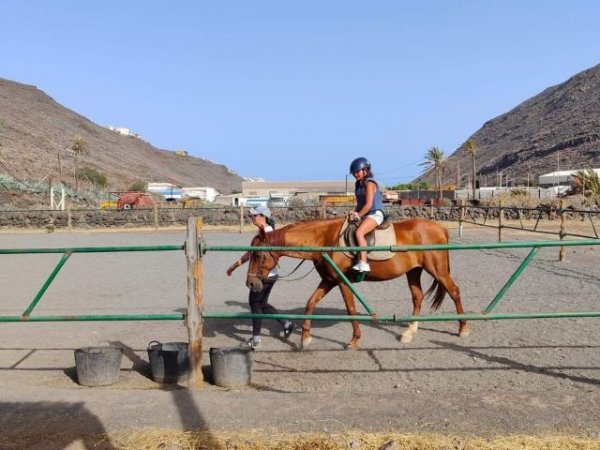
(163, 217)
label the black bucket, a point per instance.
(169, 362)
(98, 366)
(232, 366)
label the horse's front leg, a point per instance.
(416, 291)
(351, 309)
(321, 291)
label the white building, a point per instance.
(124, 131)
(205, 193)
(168, 190)
(558, 178)
(310, 189)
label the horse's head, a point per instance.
(260, 263)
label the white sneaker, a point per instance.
(361, 266)
(253, 343)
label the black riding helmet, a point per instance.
(359, 164)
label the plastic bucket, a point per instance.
(231, 366)
(169, 362)
(98, 366)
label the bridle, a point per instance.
(262, 256)
(276, 258)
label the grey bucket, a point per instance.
(169, 361)
(98, 366)
(231, 366)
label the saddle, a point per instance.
(382, 235)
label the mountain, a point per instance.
(558, 128)
(36, 133)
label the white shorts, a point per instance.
(377, 216)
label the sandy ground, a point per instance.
(510, 376)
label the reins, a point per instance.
(285, 277)
(268, 239)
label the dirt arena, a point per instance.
(535, 377)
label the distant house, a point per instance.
(239, 200)
(124, 131)
(558, 178)
(169, 191)
(204, 193)
(306, 189)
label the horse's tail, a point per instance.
(440, 291)
(438, 296)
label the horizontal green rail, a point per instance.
(331, 317)
(396, 318)
(407, 248)
(137, 248)
(93, 317)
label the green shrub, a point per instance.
(138, 186)
(92, 175)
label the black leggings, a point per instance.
(259, 304)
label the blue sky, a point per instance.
(294, 90)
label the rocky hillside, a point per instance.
(562, 122)
(36, 131)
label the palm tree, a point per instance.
(435, 159)
(585, 182)
(78, 146)
(472, 150)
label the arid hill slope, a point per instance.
(562, 121)
(35, 130)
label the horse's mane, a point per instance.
(310, 222)
(277, 237)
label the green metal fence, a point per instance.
(486, 314)
(66, 254)
(370, 315)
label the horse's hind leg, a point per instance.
(452, 289)
(321, 291)
(444, 278)
(414, 284)
(440, 270)
(348, 297)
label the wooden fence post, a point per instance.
(155, 215)
(461, 214)
(562, 254)
(69, 218)
(195, 297)
(241, 218)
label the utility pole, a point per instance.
(558, 170)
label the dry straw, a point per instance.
(154, 439)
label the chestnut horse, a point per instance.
(326, 232)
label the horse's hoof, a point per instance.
(351, 346)
(406, 338)
(464, 331)
(305, 342)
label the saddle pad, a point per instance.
(382, 237)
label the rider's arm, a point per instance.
(245, 257)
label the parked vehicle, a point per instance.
(130, 200)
